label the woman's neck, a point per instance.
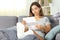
(37, 17)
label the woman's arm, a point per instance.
(26, 27)
(38, 36)
(46, 29)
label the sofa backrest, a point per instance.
(51, 18)
(7, 21)
(20, 18)
(53, 21)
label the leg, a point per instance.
(39, 37)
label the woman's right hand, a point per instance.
(24, 22)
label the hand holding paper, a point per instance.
(30, 21)
(24, 22)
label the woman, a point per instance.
(44, 24)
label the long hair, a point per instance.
(39, 6)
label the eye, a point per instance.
(36, 8)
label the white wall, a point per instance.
(8, 8)
(15, 7)
(55, 6)
(25, 7)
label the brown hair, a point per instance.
(39, 6)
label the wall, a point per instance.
(15, 7)
(8, 8)
(55, 7)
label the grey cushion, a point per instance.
(30, 37)
(57, 36)
(2, 37)
(20, 18)
(53, 21)
(8, 34)
(7, 21)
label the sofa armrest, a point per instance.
(57, 36)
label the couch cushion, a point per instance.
(50, 35)
(7, 21)
(5, 34)
(57, 36)
(53, 21)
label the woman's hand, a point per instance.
(24, 22)
(26, 28)
(39, 27)
(46, 29)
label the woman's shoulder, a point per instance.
(45, 17)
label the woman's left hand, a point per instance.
(39, 27)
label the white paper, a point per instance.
(30, 22)
(29, 19)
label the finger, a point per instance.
(24, 22)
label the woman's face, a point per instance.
(35, 10)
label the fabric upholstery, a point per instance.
(8, 34)
(51, 34)
(7, 21)
(20, 18)
(53, 21)
(57, 36)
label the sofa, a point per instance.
(8, 30)
(53, 24)
(8, 27)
